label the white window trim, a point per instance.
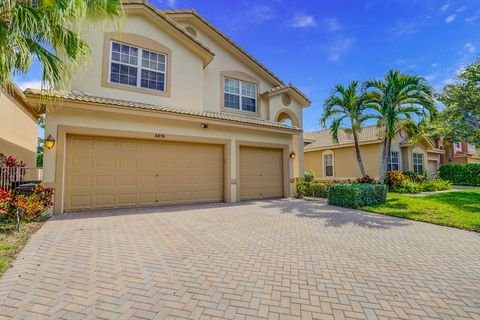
(241, 82)
(325, 153)
(459, 148)
(471, 148)
(390, 159)
(413, 160)
(138, 66)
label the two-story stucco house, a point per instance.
(461, 153)
(170, 110)
(337, 161)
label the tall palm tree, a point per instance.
(345, 108)
(47, 30)
(400, 101)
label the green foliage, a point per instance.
(309, 176)
(408, 186)
(357, 195)
(312, 189)
(416, 177)
(396, 101)
(394, 179)
(436, 185)
(345, 109)
(46, 30)
(462, 174)
(460, 119)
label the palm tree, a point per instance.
(345, 108)
(47, 30)
(400, 101)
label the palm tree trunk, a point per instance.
(359, 155)
(384, 165)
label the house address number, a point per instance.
(160, 135)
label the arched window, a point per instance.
(287, 117)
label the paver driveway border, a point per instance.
(277, 259)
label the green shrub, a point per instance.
(436, 185)
(408, 186)
(309, 176)
(357, 195)
(416, 177)
(312, 189)
(394, 179)
(463, 174)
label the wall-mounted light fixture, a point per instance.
(204, 126)
(49, 142)
(292, 155)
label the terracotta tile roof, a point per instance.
(83, 97)
(323, 139)
(287, 86)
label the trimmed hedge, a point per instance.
(357, 195)
(462, 174)
(312, 189)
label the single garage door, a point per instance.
(104, 172)
(261, 173)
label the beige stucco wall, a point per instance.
(345, 162)
(144, 125)
(18, 129)
(186, 68)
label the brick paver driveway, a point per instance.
(279, 259)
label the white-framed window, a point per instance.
(328, 164)
(240, 95)
(418, 162)
(137, 67)
(471, 148)
(457, 146)
(394, 161)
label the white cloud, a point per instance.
(338, 48)
(470, 47)
(32, 84)
(450, 18)
(303, 21)
(444, 7)
(332, 24)
(473, 18)
(430, 77)
(261, 13)
(403, 28)
(168, 3)
(434, 65)
(461, 9)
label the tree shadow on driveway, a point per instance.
(335, 216)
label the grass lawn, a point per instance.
(459, 209)
(11, 242)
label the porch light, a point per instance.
(49, 142)
(292, 155)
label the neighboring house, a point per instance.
(338, 161)
(460, 153)
(18, 127)
(171, 111)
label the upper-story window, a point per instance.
(471, 148)
(457, 146)
(418, 162)
(394, 161)
(137, 67)
(240, 95)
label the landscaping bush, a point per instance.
(416, 177)
(436, 185)
(309, 176)
(312, 189)
(357, 195)
(408, 186)
(367, 180)
(31, 206)
(462, 174)
(394, 179)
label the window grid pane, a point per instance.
(418, 163)
(240, 95)
(393, 161)
(328, 159)
(126, 67)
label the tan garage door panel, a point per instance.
(111, 172)
(261, 173)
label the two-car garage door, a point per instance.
(111, 172)
(107, 172)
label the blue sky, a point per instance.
(317, 44)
